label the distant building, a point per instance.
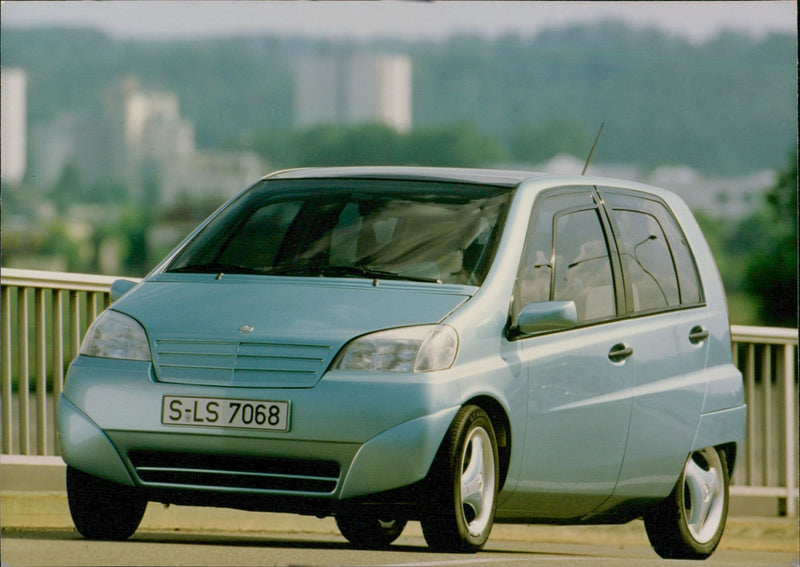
(158, 146)
(353, 89)
(147, 133)
(13, 125)
(138, 142)
(209, 177)
(317, 92)
(53, 147)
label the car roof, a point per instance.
(499, 177)
(510, 178)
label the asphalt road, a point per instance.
(45, 547)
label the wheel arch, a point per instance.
(502, 431)
(729, 453)
(723, 430)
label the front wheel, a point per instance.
(101, 509)
(461, 490)
(689, 523)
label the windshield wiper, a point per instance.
(372, 273)
(345, 272)
(303, 269)
(214, 268)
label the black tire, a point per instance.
(369, 531)
(460, 496)
(689, 523)
(101, 509)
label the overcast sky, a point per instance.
(697, 21)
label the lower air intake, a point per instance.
(221, 471)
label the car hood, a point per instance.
(254, 331)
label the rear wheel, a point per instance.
(461, 491)
(689, 523)
(369, 531)
(101, 509)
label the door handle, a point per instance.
(697, 335)
(619, 352)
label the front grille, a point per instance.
(221, 471)
(247, 364)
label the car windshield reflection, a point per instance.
(427, 232)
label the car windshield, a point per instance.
(376, 229)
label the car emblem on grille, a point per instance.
(246, 329)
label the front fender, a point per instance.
(85, 447)
(397, 457)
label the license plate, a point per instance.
(225, 412)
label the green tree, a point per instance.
(459, 145)
(132, 231)
(57, 242)
(538, 143)
(772, 272)
(363, 144)
(67, 187)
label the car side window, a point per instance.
(646, 261)
(657, 263)
(566, 257)
(583, 266)
(688, 277)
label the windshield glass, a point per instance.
(377, 229)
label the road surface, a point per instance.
(43, 547)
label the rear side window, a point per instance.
(646, 261)
(658, 268)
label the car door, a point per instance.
(669, 330)
(579, 380)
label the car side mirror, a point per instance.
(120, 288)
(547, 316)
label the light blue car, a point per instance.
(383, 345)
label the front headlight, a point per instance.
(425, 348)
(114, 335)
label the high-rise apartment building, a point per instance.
(354, 88)
(149, 132)
(13, 125)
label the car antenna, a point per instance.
(591, 152)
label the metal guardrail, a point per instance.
(767, 358)
(45, 315)
(45, 341)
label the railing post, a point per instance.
(41, 373)
(91, 307)
(767, 466)
(58, 355)
(790, 429)
(24, 380)
(5, 310)
(74, 324)
(750, 390)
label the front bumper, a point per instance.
(352, 435)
